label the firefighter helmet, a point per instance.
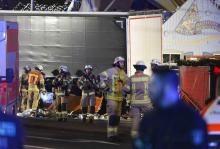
(155, 62)
(88, 67)
(63, 68)
(27, 68)
(119, 59)
(140, 64)
(40, 67)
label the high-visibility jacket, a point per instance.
(114, 79)
(88, 84)
(35, 80)
(61, 85)
(137, 86)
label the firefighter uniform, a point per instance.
(137, 87)
(113, 80)
(61, 90)
(24, 88)
(88, 84)
(35, 86)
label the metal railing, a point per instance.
(65, 14)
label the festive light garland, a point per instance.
(202, 62)
(47, 5)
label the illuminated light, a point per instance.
(193, 59)
(4, 35)
(3, 143)
(7, 129)
(216, 71)
(213, 144)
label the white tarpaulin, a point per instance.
(67, 39)
(194, 28)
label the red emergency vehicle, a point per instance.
(200, 87)
(9, 66)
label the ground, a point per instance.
(50, 134)
(74, 134)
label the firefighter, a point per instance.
(140, 103)
(61, 90)
(88, 84)
(35, 87)
(173, 124)
(24, 88)
(113, 81)
(155, 63)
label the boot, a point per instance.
(64, 116)
(59, 116)
(84, 118)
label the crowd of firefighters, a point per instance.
(114, 82)
(139, 90)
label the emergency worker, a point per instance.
(113, 80)
(155, 63)
(61, 90)
(35, 87)
(11, 132)
(24, 88)
(173, 125)
(137, 87)
(88, 84)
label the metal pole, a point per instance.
(32, 5)
(109, 5)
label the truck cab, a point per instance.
(9, 71)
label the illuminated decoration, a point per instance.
(191, 24)
(199, 61)
(188, 23)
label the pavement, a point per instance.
(73, 134)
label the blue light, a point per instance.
(213, 144)
(7, 129)
(3, 143)
(198, 137)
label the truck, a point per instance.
(200, 88)
(9, 67)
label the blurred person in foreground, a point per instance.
(173, 125)
(11, 133)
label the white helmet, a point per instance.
(140, 63)
(119, 59)
(27, 68)
(63, 68)
(155, 62)
(88, 67)
(40, 67)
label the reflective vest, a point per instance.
(138, 87)
(35, 80)
(115, 79)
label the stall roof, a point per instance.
(56, 13)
